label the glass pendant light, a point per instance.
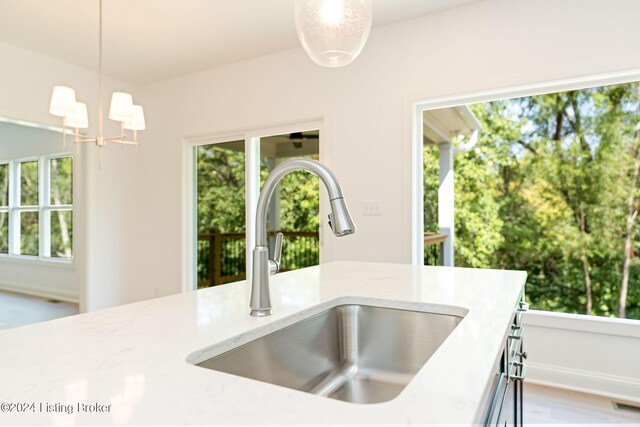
(333, 32)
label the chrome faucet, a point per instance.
(339, 221)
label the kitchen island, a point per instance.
(128, 364)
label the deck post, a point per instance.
(215, 258)
(446, 202)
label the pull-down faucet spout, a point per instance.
(339, 220)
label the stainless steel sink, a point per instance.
(356, 353)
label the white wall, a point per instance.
(103, 205)
(366, 110)
(44, 278)
(584, 353)
(17, 141)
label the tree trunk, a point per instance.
(587, 282)
(632, 212)
(626, 265)
(585, 262)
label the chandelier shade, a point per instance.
(121, 106)
(333, 32)
(63, 101)
(79, 118)
(136, 122)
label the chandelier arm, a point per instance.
(121, 141)
(82, 139)
(115, 138)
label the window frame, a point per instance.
(44, 208)
(415, 109)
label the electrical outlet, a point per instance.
(372, 208)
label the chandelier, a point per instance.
(74, 113)
(333, 32)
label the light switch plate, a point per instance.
(372, 208)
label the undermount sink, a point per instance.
(355, 353)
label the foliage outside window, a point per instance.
(552, 188)
(4, 208)
(221, 211)
(29, 234)
(298, 211)
(36, 207)
(221, 247)
(61, 202)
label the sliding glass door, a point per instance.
(220, 188)
(221, 193)
(295, 204)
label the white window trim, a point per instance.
(421, 103)
(44, 209)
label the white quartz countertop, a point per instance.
(133, 357)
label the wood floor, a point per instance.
(19, 310)
(546, 405)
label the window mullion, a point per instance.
(14, 214)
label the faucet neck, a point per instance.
(276, 175)
(260, 298)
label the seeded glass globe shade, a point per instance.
(333, 32)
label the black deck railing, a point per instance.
(433, 248)
(221, 256)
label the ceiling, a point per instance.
(152, 40)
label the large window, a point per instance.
(551, 186)
(36, 207)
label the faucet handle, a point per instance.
(274, 264)
(277, 249)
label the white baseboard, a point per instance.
(583, 323)
(614, 387)
(39, 291)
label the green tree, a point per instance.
(61, 170)
(221, 190)
(299, 212)
(552, 188)
(476, 211)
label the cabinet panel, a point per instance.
(505, 404)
